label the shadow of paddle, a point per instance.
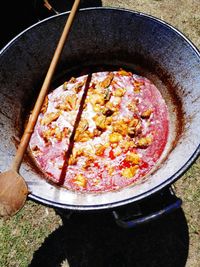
(26, 13)
(95, 240)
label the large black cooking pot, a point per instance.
(111, 38)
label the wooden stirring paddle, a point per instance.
(13, 188)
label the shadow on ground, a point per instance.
(26, 13)
(95, 240)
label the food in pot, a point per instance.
(101, 135)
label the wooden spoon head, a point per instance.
(13, 193)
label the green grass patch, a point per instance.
(24, 233)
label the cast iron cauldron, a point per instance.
(108, 38)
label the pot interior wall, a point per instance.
(110, 39)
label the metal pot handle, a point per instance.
(128, 222)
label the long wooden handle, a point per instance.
(35, 113)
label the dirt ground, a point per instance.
(42, 236)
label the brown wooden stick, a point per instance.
(35, 113)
